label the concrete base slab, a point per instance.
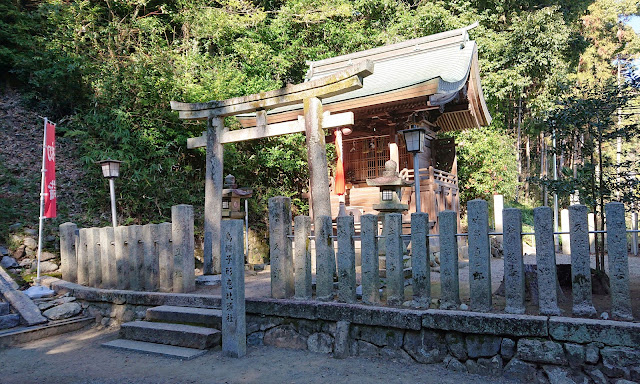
(155, 349)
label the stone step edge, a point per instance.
(205, 317)
(186, 328)
(26, 334)
(155, 349)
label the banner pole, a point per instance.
(42, 192)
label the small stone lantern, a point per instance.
(231, 195)
(390, 184)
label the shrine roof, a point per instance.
(438, 67)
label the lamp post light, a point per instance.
(111, 170)
(414, 140)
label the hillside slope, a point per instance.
(21, 133)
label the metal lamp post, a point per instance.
(111, 170)
(414, 139)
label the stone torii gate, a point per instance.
(314, 121)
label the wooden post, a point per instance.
(213, 196)
(317, 157)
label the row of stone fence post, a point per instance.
(291, 273)
(152, 257)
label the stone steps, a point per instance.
(155, 349)
(206, 317)
(180, 332)
(179, 335)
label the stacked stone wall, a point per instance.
(537, 349)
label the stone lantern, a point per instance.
(390, 184)
(231, 195)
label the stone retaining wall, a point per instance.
(528, 348)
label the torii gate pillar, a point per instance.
(317, 157)
(213, 196)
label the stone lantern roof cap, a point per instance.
(389, 178)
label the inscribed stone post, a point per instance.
(213, 196)
(513, 263)
(316, 157)
(346, 260)
(421, 270)
(370, 259)
(234, 325)
(325, 258)
(184, 279)
(165, 258)
(618, 261)
(580, 262)
(302, 259)
(93, 249)
(108, 257)
(394, 248)
(282, 280)
(564, 227)
(449, 283)
(83, 258)
(68, 256)
(546, 262)
(122, 257)
(136, 258)
(151, 263)
(479, 256)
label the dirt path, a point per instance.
(78, 358)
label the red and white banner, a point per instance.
(50, 170)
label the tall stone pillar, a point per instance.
(394, 248)
(325, 258)
(479, 257)
(213, 196)
(302, 259)
(450, 284)
(580, 262)
(68, 257)
(370, 259)
(618, 261)
(546, 262)
(317, 157)
(282, 280)
(514, 290)
(346, 260)
(234, 325)
(184, 278)
(420, 260)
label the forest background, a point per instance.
(105, 71)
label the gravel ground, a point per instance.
(78, 358)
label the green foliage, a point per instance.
(487, 164)
(107, 71)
